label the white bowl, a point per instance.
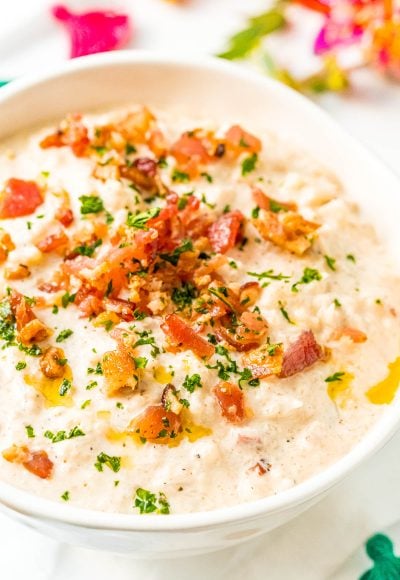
(222, 92)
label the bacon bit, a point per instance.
(90, 305)
(249, 293)
(52, 362)
(231, 401)
(6, 246)
(289, 231)
(142, 173)
(262, 364)
(157, 425)
(157, 143)
(353, 333)
(264, 202)
(29, 327)
(238, 141)
(183, 335)
(36, 462)
(303, 353)
(19, 273)
(247, 334)
(119, 372)
(19, 198)
(65, 216)
(189, 148)
(53, 243)
(71, 133)
(170, 400)
(259, 467)
(223, 234)
(123, 308)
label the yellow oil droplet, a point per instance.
(339, 391)
(126, 461)
(384, 392)
(103, 414)
(115, 436)
(190, 430)
(162, 376)
(50, 388)
(106, 319)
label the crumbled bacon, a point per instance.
(231, 401)
(249, 293)
(303, 353)
(352, 333)
(19, 272)
(36, 462)
(52, 362)
(245, 333)
(238, 141)
(268, 203)
(65, 216)
(71, 133)
(287, 230)
(53, 243)
(157, 143)
(19, 198)
(30, 329)
(119, 372)
(142, 173)
(183, 335)
(264, 362)
(157, 425)
(6, 246)
(223, 234)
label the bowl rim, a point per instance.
(26, 503)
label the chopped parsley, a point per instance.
(162, 162)
(207, 176)
(335, 377)
(255, 212)
(95, 371)
(173, 257)
(249, 164)
(114, 463)
(87, 249)
(184, 296)
(20, 365)
(140, 220)
(192, 383)
(337, 303)
(129, 148)
(146, 338)
(330, 262)
(30, 431)
(65, 496)
(64, 334)
(65, 387)
(276, 207)
(284, 312)
(309, 275)
(63, 435)
(86, 403)
(148, 502)
(351, 258)
(180, 176)
(55, 309)
(140, 362)
(207, 203)
(268, 275)
(233, 264)
(91, 204)
(91, 385)
(230, 366)
(67, 298)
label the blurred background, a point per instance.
(344, 54)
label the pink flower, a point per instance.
(97, 31)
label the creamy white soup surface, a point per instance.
(192, 316)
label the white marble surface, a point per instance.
(317, 545)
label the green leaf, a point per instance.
(244, 42)
(249, 164)
(140, 220)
